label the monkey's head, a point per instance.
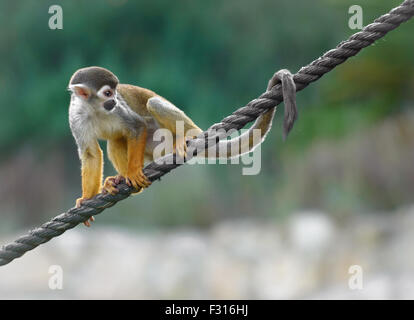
(96, 86)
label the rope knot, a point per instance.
(285, 78)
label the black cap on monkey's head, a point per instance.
(94, 77)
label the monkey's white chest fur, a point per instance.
(106, 126)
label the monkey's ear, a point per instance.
(81, 91)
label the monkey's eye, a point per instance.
(108, 93)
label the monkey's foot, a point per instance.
(138, 180)
(87, 223)
(110, 184)
(79, 202)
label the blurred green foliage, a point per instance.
(208, 57)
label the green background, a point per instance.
(209, 58)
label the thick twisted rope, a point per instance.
(237, 120)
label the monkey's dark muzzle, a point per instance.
(109, 105)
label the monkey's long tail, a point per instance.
(244, 143)
(257, 133)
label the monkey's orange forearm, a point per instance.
(92, 166)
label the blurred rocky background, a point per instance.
(309, 256)
(337, 193)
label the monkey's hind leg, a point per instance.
(135, 154)
(172, 118)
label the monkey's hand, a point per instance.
(79, 202)
(110, 184)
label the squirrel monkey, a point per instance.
(127, 116)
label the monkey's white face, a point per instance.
(107, 97)
(103, 99)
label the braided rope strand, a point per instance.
(237, 120)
